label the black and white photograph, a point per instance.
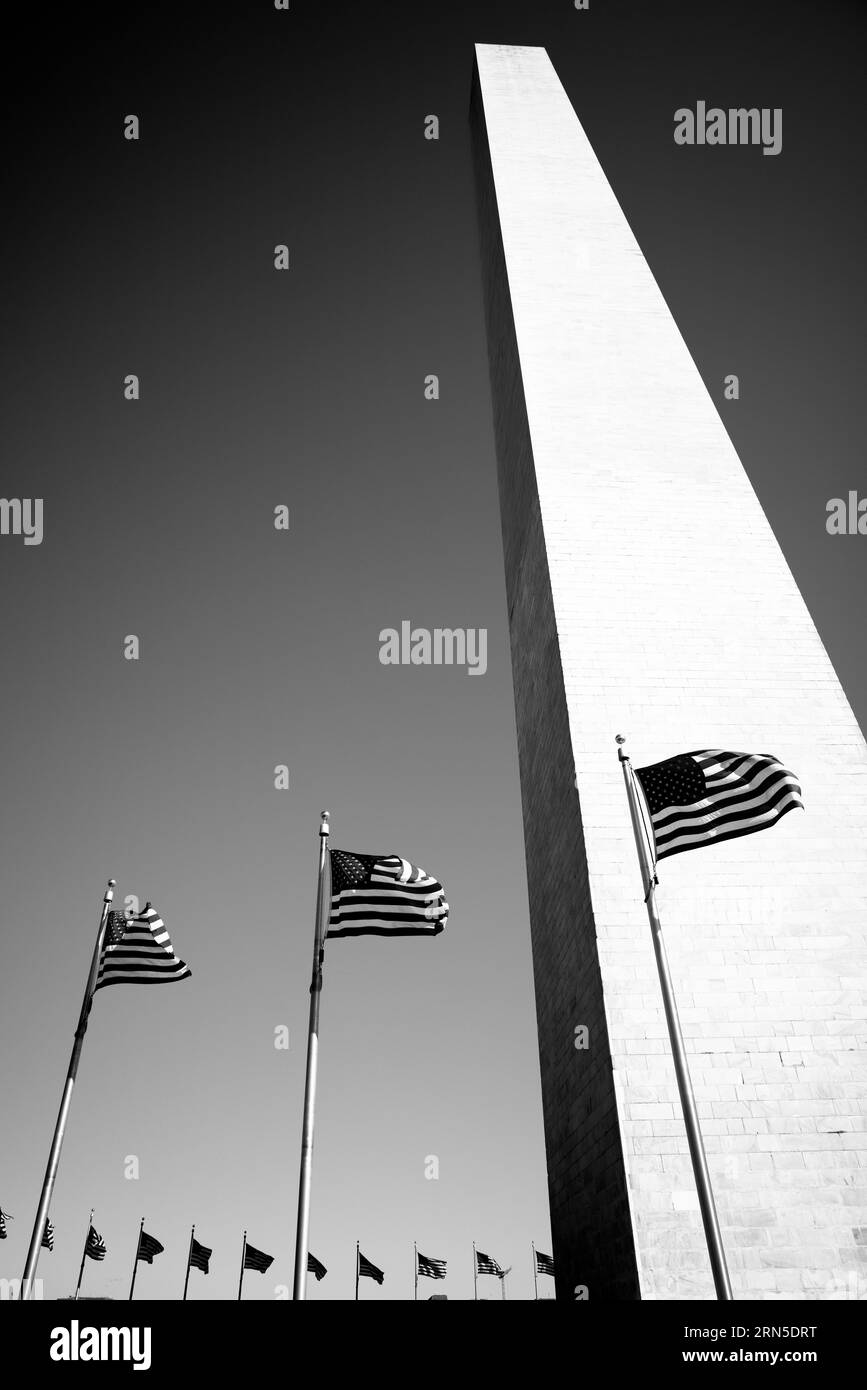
(433, 549)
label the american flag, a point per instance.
(94, 1247)
(315, 1266)
(431, 1269)
(137, 951)
(256, 1259)
(544, 1264)
(383, 895)
(48, 1235)
(485, 1265)
(4, 1217)
(199, 1256)
(366, 1270)
(148, 1246)
(698, 798)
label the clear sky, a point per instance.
(260, 648)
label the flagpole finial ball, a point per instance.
(620, 739)
(112, 883)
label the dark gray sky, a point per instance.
(260, 647)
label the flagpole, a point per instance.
(303, 1229)
(475, 1274)
(706, 1202)
(59, 1128)
(243, 1253)
(84, 1254)
(415, 1255)
(189, 1257)
(357, 1263)
(535, 1273)
(135, 1261)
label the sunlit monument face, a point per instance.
(647, 595)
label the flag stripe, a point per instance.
(749, 827)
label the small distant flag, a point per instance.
(366, 1270)
(4, 1217)
(137, 950)
(199, 1256)
(148, 1246)
(544, 1264)
(94, 1247)
(383, 895)
(257, 1259)
(485, 1265)
(315, 1266)
(698, 798)
(431, 1269)
(48, 1235)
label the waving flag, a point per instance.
(485, 1265)
(698, 798)
(544, 1264)
(137, 951)
(256, 1259)
(315, 1266)
(367, 1270)
(431, 1269)
(4, 1217)
(148, 1246)
(199, 1256)
(383, 895)
(94, 1247)
(48, 1235)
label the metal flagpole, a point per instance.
(535, 1273)
(415, 1253)
(189, 1257)
(503, 1281)
(243, 1253)
(84, 1254)
(303, 1229)
(357, 1262)
(681, 1067)
(59, 1128)
(135, 1261)
(475, 1274)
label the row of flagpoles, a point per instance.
(199, 1257)
(693, 799)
